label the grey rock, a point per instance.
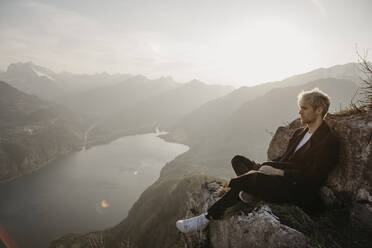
(259, 228)
(361, 223)
(363, 196)
(328, 197)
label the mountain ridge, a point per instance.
(33, 132)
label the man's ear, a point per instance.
(319, 110)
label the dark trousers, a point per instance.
(267, 187)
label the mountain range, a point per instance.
(43, 82)
(192, 112)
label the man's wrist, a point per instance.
(280, 172)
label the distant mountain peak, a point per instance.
(30, 69)
(20, 64)
(196, 82)
(167, 79)
(139, 77)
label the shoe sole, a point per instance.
(242, 198)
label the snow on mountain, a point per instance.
(41, 74)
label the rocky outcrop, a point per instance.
(257, 227)
(352, 178)
(260, 228)
(350, 183)
(347, 194)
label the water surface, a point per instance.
(85, 191)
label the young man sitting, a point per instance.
(296, 176)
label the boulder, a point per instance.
(351, 180)
(241, 226)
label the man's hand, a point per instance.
(251, 172)
(269, 170)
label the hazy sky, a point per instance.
(237, 42)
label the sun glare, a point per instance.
(104, 204)
(254, 46)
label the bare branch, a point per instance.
(366, 68)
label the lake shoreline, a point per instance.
(90, 190)
(87, 144)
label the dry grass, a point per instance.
(366, 89)
(353, 109)
(222, 190)
(96, 240)
(365, 104)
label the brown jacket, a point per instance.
(307, 169)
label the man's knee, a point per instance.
(236, 159)
(244, 180)
(234, 182)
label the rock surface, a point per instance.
(350, 183)
(257, 228)
(261, 228)
(347, 193)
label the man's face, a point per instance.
(307, 113)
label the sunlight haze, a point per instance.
(236, 43)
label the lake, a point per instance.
(84, 191)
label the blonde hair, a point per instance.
(316, 98)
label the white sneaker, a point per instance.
(197, 223)
(245, 197)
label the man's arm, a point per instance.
(275, 167)
(269, 170)
(279, 165)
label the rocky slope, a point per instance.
(347, 194)
(33, 132)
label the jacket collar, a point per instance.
(316, 137)
(319, 133)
